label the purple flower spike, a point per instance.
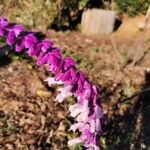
(87, 109)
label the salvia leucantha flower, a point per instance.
(87, 109)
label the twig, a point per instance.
(141, 58)
(136, 94)
(131, 97)
(113, 43)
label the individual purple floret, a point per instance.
(55, 61)
(20, 44)
(87, 109)
(89, 139)
(13, 33)
(30, 42)
(43, 47)
(3, 24)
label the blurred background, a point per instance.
(44, 14)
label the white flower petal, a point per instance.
(75, 110)
(51, 81)
(92, 126)
(74, 141)
(83, 116)
(93, 147)
(64, 93)
(76, 126)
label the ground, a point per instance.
(118, 64)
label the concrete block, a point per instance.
(98, 21)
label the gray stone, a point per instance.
(98, 21)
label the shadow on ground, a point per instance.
(4, 60)
(130, 130)
(145, 102)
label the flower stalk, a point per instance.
(86, 111)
